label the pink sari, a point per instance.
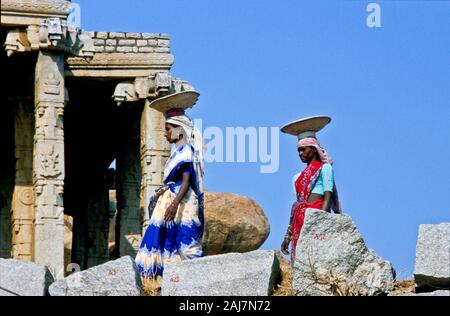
(303, 186)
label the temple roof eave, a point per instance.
(118, 65)
(29, 12)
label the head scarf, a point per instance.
(191, 134)
(313, 142)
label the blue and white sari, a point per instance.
(181, 238)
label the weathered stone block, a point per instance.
(162, 50)
(235, 274)
(127, 42)
(432, 268)
(114, 278)
(153, 42)
(141, 42)
(124, 49)
(163, 43)
(146, 49)
(101, 35)
(99, 49)
(99, 42)
(134, 35)
(331, 248)
(111, 42)
(116, 35)
(23, 278)
(149, 35)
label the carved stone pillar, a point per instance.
(23, 198)
(48, 165)
(6, 176)
(5, 219)
(98, 227)
(129, 215)
(155, 151)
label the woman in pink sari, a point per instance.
(314, 187)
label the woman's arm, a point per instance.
(326, 201)
(173, 207)
(328, 184)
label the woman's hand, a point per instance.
(171, 212)
(285, 245)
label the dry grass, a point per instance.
(404, 286)
(151, 287)
(283, 285)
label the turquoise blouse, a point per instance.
(324, 183)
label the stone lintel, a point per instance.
(118, 65)
(28, 12)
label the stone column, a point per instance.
(48, 164)
(23, 198)
(98, 226)
(5, 218)
(6, 176)
(155, 151)
(129, 215)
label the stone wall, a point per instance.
(121, 42)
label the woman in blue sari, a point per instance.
(176, 209)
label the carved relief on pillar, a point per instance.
(48, 165)
(22, 222)
(98, 228)
(49, 162)
(155, 151)
(22, 208)
(51, 121)
(50, 77)
(129, 215)
(49, 200)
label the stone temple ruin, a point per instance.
(73, 102)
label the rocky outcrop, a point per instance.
(432, 269)
(114, 278)
(233, 223)
(235, 274)
(19, 278)
(331, 256)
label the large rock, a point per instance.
(235, 274)
(233, 223)
(23, 278)
(332, 252)
(114, 278)
(432, 267)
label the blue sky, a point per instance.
(264, 63)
